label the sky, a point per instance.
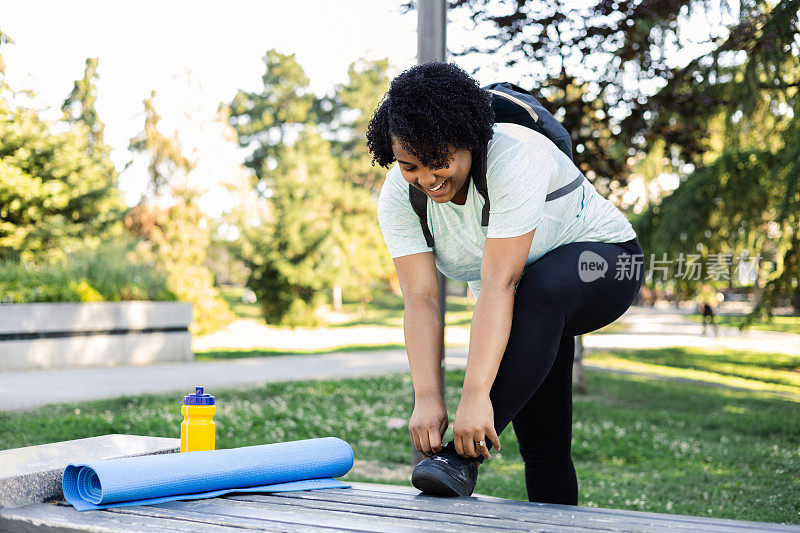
(198, 54)
(147, 45)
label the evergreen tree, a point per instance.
(268, 120)
(584, 60)
(5, 40)
(720, 120)
(353, 105)
(732, 116)
(320, 232)
(173, 229)
(56, 194)
(166, 161)
(79, 105)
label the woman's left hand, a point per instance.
(474, 423)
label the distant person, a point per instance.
(437, 126)
(707, 299)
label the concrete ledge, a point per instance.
(33, 474)
(66, 335)
(95, 351)
(92, 316)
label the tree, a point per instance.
(320, 231)
(353, 104)
(587, 61)
(79, 105)
(166, 160)
(5, 40)
(731, 116)
(56, 194)
(606, 69)
(267, 121)
(173, 229)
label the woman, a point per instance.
(536, 272)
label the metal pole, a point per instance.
(431, 31)
(431, 46)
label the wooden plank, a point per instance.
(340, 517)
(263, 517)
(537, 513)
(410, 494)
(439, 513)
(57, 518)
(364, 507)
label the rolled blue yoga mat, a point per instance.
(283, 466)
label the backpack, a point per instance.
(510, 104)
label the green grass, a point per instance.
(614, 327)
(385, 310)
(233, 297)
(785, 324)
(754, 370)
(637, 444)
(215, 355)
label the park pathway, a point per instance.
(644, 328)
(27, 390)
(647, 327)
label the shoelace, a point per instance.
(449, 455)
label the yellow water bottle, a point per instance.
(198, 430)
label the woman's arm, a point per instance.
(423, 328)
(501, 268)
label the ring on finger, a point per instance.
(481, 443)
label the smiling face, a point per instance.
(441, 184)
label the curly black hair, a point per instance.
(427, 108)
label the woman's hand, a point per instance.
(427, 425)
(474, 422)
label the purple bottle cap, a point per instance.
(198, 398)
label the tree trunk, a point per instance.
(578, 379)
(337, 297)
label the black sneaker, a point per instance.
(447, 473)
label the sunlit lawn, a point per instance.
(786, 324)
(637, 444)
(754, 370)
(215, 355)
(385, 310)
(233, 295)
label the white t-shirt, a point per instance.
(522, 167)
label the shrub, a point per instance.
(112, 272)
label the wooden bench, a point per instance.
(364, 507)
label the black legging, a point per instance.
(533, 387)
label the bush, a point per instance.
(111, 272)
(23, 283)
(118, 272)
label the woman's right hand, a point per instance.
(427, 425)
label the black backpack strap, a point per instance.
(478, 175)
(565, 190)
(419, 201)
